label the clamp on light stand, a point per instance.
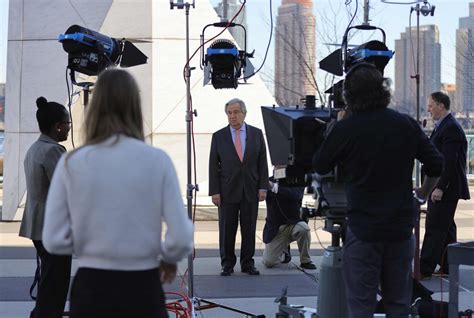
(426, 9)
(86, 86)
(180, 4)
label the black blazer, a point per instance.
(451, 141)
(230, 177)
(282, 208)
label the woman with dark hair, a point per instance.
(53, 273)
(107, 203)
(376, 147)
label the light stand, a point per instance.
(180, 4)
(425, 10)
(189, 186)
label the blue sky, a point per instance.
(392, 18)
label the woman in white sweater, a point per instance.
(106, 205)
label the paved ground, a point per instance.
(253, 294)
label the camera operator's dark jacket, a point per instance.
(282, 208)
(377, 150)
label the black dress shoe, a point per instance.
(226, 271)
(309, 265)
(251, 271)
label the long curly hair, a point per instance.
(365, 88)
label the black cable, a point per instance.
(355, 12)
(69, 108)
(268, 45)
(312, 276)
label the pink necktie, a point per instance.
(238, 144)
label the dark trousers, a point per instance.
(53, 285)
(98, 293)
(440, 230)
(368, 264)
(228, 222)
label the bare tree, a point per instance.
(329, 36)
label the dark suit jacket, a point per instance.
(451, 141)
(230, 177)
(282, 208)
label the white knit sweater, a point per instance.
(107, 203)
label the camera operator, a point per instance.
(285, 224)
(376, 148)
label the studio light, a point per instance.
(341, 60)
(224, 64)
(90, 52)
(374, 52)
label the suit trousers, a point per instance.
(440, 231)
(287, 233)
(368, 264)
(98, 293)
(53, 284)
(229, 216)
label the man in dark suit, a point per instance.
(448, 136)
(238, 179)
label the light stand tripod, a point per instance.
(189, 186)
(180, 4)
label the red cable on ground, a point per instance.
(177, 308)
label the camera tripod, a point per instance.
(332, 295)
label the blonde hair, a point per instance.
(115, 108)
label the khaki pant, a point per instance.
(300, 232)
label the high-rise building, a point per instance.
(465, 63)
(226, 10)
(429, 68)
(450, 90)
(295, 52)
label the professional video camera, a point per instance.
(295, 133)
